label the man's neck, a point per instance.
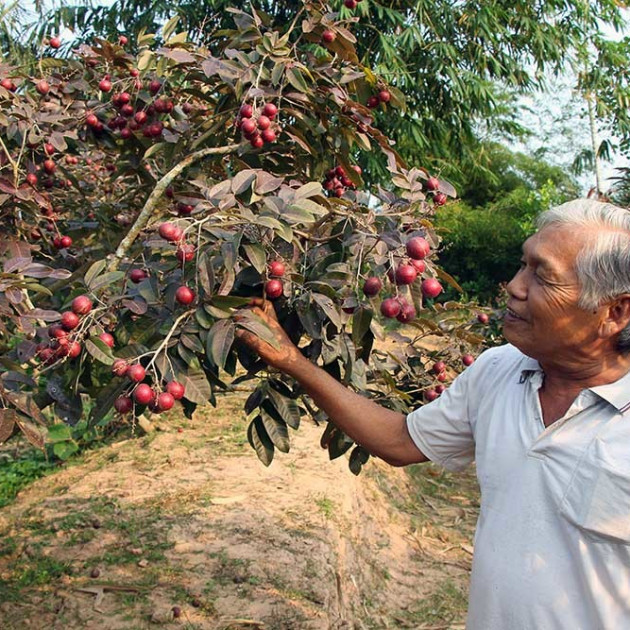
(574, 376)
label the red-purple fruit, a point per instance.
(433, 183)
(170, 232)
(175, 389)
(442, 377)
(248, 126)
(276, 268)
(246, 111)
(264, 122)
(107, 339)
(328, 37)
(268, 135)
(418, 248)
(184, 295)
(372, 286)
(273, 289)
(120, 367)
(143, 394)
(269, 110)
(136, 373)
(81, 305)
(407, 312)
(430, 395)
(390, 307)
(439, 199)
(351, 4)
(69, 320)
(54, 42)
(31, 179)
(440, 389)
(384, 96)
(74, 349)
(418, 264)
(155, 86)
(65, 242)
(438, 366)
(137, 275)
(468, 359)
(105, 85)
(185, 252)
(257, 142)
(123, 404)
(373, 102)
(49, 166)
(483, 318)
(42, 87)
(406, 274)
(431, 288)
(165, 401)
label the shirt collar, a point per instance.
(617, 393)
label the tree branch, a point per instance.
(147, 211)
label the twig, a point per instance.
(147, 211)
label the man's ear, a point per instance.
(617, 316)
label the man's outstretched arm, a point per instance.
(381, 431)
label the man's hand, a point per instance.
(381, 431)
(285, 354)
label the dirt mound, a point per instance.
(191, 519)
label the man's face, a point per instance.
(543, 319)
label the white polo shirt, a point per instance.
(552, 546)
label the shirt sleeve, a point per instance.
(444, 429)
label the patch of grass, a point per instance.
(15, 474)
(40, 570)
(446, 604)
(326, 506)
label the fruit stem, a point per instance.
(168, 337)
(151, 203)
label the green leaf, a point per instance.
(358, 458)
(64, 450)
(329, 307)
(277, 431)
(259, 441)
(220, 340)
(256, 255)
(243, 180)
(95, 270)
(59, 432)
(153, 149)
(250, 321)
(169, 28)
(198, 388)
(99, 350)
(106, 279)
(361, 320)
(309, 190)
(338, 445)
(286, 407)
(7, 424)
(296, 79)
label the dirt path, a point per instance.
(188, 517)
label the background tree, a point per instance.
(457, 64)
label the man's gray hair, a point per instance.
(603, 267)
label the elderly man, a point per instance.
(547, 420)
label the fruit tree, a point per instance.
(146, 197)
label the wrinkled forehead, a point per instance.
(557, 246)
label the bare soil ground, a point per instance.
(188, 517)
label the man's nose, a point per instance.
(517, 286)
